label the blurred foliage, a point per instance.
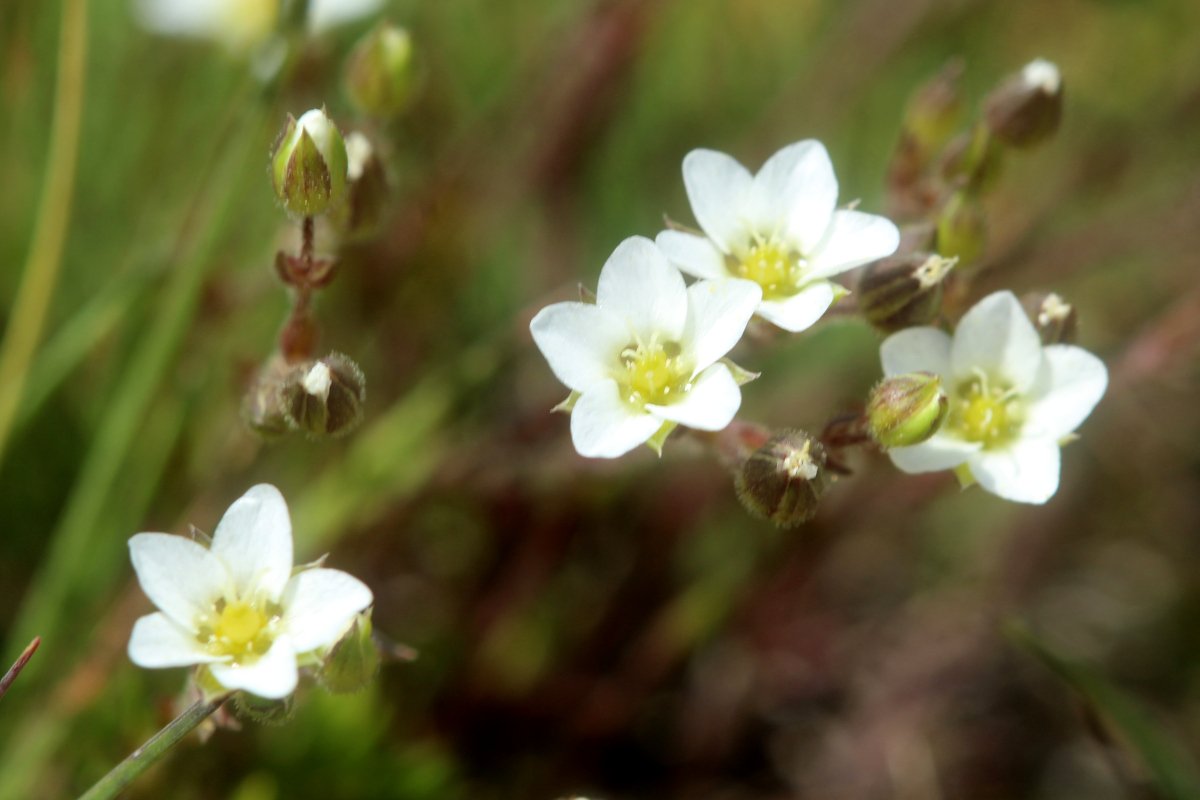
(621, 629)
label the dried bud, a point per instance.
(1055, 320)
(906, 409)
(309, 164)
(1026, 109)
(783, 480)
(903, 291)
(367, 191)
(325, 398)
(379, 72)
(961, 229)
(353, 662)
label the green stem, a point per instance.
(45, 253)
(155, 748)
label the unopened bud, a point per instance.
(262, 710)
(309, 164)
(906, 409)
(353, 662)
(325, 398)
(783, 480)
(973, 159)
(1055, 320)
(366, 192)
(264, 407)
(379, 72)
(961, 229)
(1026, 108)
(903, 291)
(936, 108)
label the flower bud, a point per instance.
(906, 409)
(262, 710)
(903, 291)
(1055, 320)
(961, 229)
(263, 406)
(783, 480)
(309, 164)
(1026, 108)
(379, 72)
(325, 398)
(366, 192)
(353, 662)
(936, 108)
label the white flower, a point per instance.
(1012, 401)
(236, 607)
(646, 353)
(778, 228)
(240, 24)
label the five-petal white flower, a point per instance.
(779, 228)
(1012, 401)
(646, 354)
(240, 24)
(236, 607)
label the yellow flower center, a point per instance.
(778, 270)
(238, 628)
(653, 372)
(991, 415)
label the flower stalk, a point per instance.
(154, 749)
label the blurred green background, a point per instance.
(623, 629)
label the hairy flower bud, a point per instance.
(1055, 320)
(906, 409)
(262, 710)
(353, 662)
(367, 191)
(263, 406)
(903, 291)
(379, 72)
(961, 229)
(1026, 108)
(325, 398)
(783, 480)
(309, 165)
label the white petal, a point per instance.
(693, 254)
(254, 539)
(324, 14)
(639, 285)
(1025, 472)
(156, 641)
(916, 350)
(709, 405)
(605, 426)
(182, 17)
(795, 194)
(273, 676)
(1070, 385)
(853, 239)
(718, 187)
(581, 342)
(801, 310)
(937, 453)
(718, 312)
(996, 336)
(319, 606)
(179, 576)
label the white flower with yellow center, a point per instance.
(646, 354)
(240, 24)
(236, 607)
(779, 228)
(1012, 401)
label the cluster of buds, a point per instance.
(321, 398)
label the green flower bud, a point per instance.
(783, 480)
(353, 662)
(325, 398)
(379, 73)
(903, 291)
(309, 164)
(961, 229)
(973, 160)
(262, 710)
(906, 409)
(935, 110)
(1026, 109)
(1055, 320)
(366, 193)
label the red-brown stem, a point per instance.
(18, 665)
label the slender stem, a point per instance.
(18, 665)
(45, 252)
(155, 748)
